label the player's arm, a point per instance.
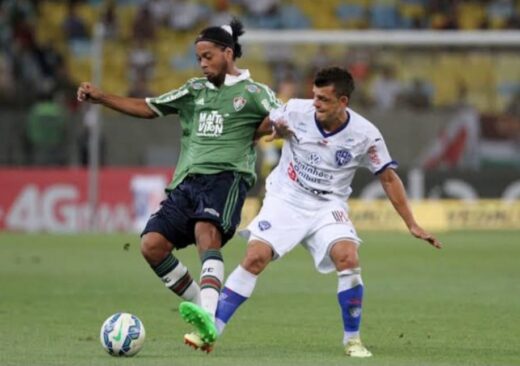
(396, 193)
(132, 106)
(265, 128)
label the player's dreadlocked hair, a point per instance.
(225, 36)
(340, 78)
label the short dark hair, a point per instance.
(340, 78)
(223, 38)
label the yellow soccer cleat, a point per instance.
(195, 341)
(354, 348)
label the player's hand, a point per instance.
(420, 233)
(280, 131)
(88, 92)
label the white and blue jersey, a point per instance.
(317, 166)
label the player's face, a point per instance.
(213, 60)
(329, 108)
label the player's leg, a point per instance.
(334, 246)
(275, 231)
(344, 255)
(218, 200)
(241, 282)
(161, 231)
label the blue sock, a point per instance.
(228, 303)
(350, 302)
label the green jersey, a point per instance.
(218, 124)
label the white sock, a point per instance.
(241, 281)
(211, 277)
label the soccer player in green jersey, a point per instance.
(220, 115)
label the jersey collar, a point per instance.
(231, 80)
(337, 130)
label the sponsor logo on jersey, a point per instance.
(239, 103)
(197, 85)
(212, 211)
(252, 88)
(343, 157)
(211, 124)
(313, 158)
(373, 155)
(291, 172)
(264, 225)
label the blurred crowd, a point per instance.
(45, 45)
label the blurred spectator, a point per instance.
(383, 14)
(499, 13)
(457, 145)
(5, 28)
(160, 10)
(139, 88)
(143, 26)
(287, 88)
(413, 13)
(7, 88)
(262, 13)
(109, 18)
(83, 139)
(141, 61)
(386, 89)
(292, 17)
(66, 87)
(500, 145)
(186, 14)
(353, 14)
(46, 130)
(417, 96)
(221, 13)
(74, 27)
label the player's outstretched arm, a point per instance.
(132, 106)
(273, 129)
(395, 192)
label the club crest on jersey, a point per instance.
(313, 158)
(239, 103)
(343, 157)
(264, 225)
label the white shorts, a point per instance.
(283, 226)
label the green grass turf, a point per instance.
(457, 306)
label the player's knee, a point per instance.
(346, 260)
(154, 248)
(207, 236)
(256, 261)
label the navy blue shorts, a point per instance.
(217, 198)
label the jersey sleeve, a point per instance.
(278, 113)
(377, 158)
(172, 101)
(266, 100)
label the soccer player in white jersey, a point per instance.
(306, 199)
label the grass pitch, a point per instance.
(457, 306)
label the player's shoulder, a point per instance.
(254, 87)
(304, 106)
(196, 84)
(362, 125)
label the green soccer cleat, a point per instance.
(200, 319)
(354, 348)
(195, 341)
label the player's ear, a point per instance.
(228, 53)
(344, 100)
